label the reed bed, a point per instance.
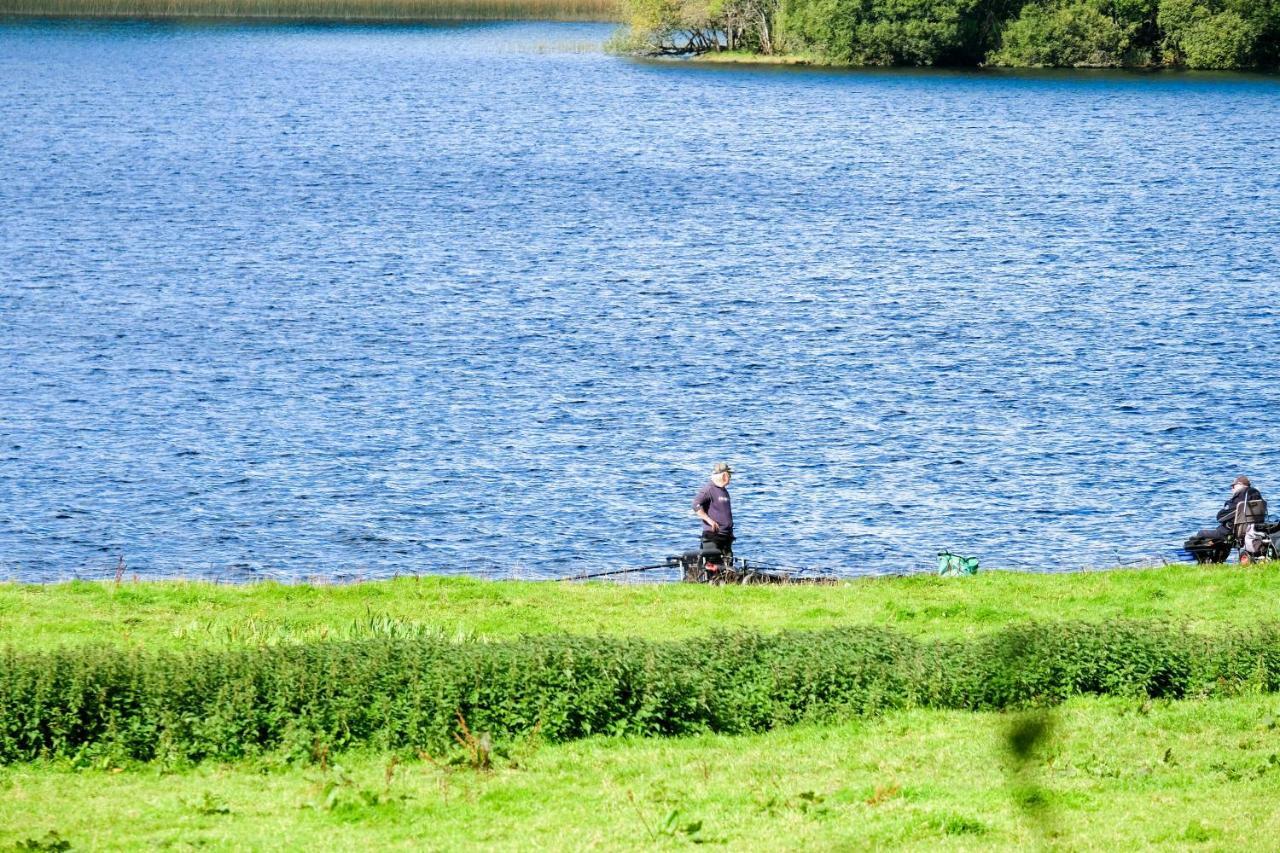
(322, 10)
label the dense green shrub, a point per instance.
(1218, 34)
(1224, 40)
(887, 32)
(412, 692)
(1083, 33)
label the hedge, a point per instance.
(411, 693)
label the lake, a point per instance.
(333, 302)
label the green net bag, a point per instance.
(954, 565)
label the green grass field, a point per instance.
(1108, 773)
(1093, 773)
(184, 614)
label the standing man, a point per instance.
(712, 505)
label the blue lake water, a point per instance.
(341, 301)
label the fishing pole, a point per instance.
(617, 572)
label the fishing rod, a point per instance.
(739, 569)
(666, 565)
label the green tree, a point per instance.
(891, 32)
(699, 26)
(1220, 33)
(1084, 33)
(1224, 40)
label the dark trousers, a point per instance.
(722, 541)
(1221, 532)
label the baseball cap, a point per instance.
(722, 468)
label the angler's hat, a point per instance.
(722, 468)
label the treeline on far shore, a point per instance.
(1206, 34)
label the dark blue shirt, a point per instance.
(714, 501)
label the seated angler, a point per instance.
(1236, 524)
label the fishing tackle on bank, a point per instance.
(710, 565)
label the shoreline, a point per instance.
(164, 614)
(738, 57)
(355, 12)
(730, 59)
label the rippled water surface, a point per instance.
(355, 301)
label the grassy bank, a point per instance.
(322, 10)
(605, 658)
(1107, 773)
(184, 615)
(744, 57)
(273, 717)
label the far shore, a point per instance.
(740, 57)
(322, 11)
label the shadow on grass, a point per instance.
(1026, 739)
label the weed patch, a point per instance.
(960, 825)
(51, 842)
(207, 804)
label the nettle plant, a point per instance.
(429, 694)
